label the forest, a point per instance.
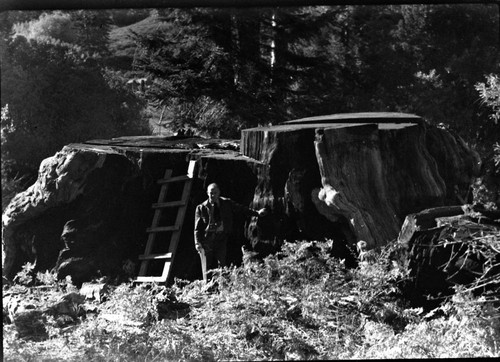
(71, 76)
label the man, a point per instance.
(213, 224)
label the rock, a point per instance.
(69, 304)
(87, 213)
(172, 309)
(364, 255)
(30, 325)
(94, 290)
(14, 303)
(30, 319)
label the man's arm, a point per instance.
(247, 211)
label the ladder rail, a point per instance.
(174, 241)
(156, 219)
(175, 229)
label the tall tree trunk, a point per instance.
(279, 80)
(223, 34)
(249, 54)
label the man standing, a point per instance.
(213, 224)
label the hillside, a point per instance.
(121, 44)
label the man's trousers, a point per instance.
(215, 246)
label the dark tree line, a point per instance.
(221, 70)
(264, 66)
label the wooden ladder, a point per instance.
(155, 228)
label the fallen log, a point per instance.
(425, 219)
(451, 246)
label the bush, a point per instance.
(56, 25)
(489, 93)
(209, 117)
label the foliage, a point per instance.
(210, 117)
(25, 276)
(9, 18)
(461, 49)
(184, 68)
(56, 25)
(298, 304)
(47, 278)
(92, 30)
(87, 29)
(16, 184)
(489, 92)
(28, 277)
(487, 186)
(10, 188)
(486, 189)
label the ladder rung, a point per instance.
(145, 279)
(155, 256)
(173, 179)
(162, 228)
(160, 205)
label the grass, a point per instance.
(298, 304)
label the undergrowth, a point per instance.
(297, 304)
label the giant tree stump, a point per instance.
(341, 177)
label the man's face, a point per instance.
(213, 193)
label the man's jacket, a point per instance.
(227, 208)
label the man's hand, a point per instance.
(198, 248)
